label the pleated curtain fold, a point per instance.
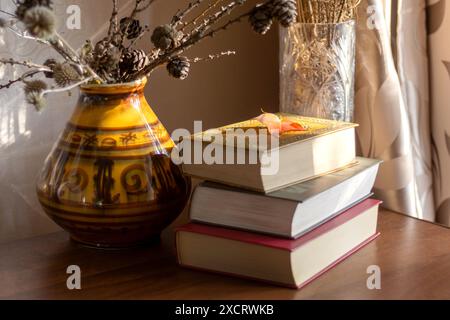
(403, 103)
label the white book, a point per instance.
(290, 212)
(325, 146)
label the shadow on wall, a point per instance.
(219, 92)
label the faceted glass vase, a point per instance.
(317, 70)
(109, 180)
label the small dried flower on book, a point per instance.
(278, 125)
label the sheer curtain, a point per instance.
(438, 26)
(403, 94)
(389, 129)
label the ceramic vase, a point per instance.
(109, 181)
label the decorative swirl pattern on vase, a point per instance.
(138, 175)
(75, 181)
(104, 183)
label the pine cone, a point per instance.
(101, 47)
(105, 58)
(179, 67)
(51, 63)
(24, 5)
(130, 28)
(133, 62)
(285, 11)
(165, 37)
(110, 60)
(261, 19)
(64, 74)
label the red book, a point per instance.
(291, 263)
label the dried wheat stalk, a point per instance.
(326, 11)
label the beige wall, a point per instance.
(231, 89)
(223, 91)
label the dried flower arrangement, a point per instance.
(114, 59)
(326, 11)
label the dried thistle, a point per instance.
(36, 99)
(165, 37)
(35, 85)
(40, 22)
(24, 5)
(65, 74)
(34, 93)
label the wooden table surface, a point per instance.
(414, 258)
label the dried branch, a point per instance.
(113, 21)
(202, 14)
(23, 35)
(213, 56)
(197, 35)
(23, 77)
(212, 19)
(27, 64)
(137, 9)
(63, 47)
(212, 33)
(143, 32)
(201, 19)
(144, 7)
(72, 86)
(8, 13)
(181, 14)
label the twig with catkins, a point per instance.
(114, 59)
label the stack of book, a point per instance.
(288, 227)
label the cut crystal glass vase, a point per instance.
(317, 70)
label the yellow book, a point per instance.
(249, 156)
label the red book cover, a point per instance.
(280, 243)
(285, 244)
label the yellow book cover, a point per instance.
(312, 128)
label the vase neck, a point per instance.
(115, 88)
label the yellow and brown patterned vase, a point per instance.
(109, 181)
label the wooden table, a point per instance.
(414, 258)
